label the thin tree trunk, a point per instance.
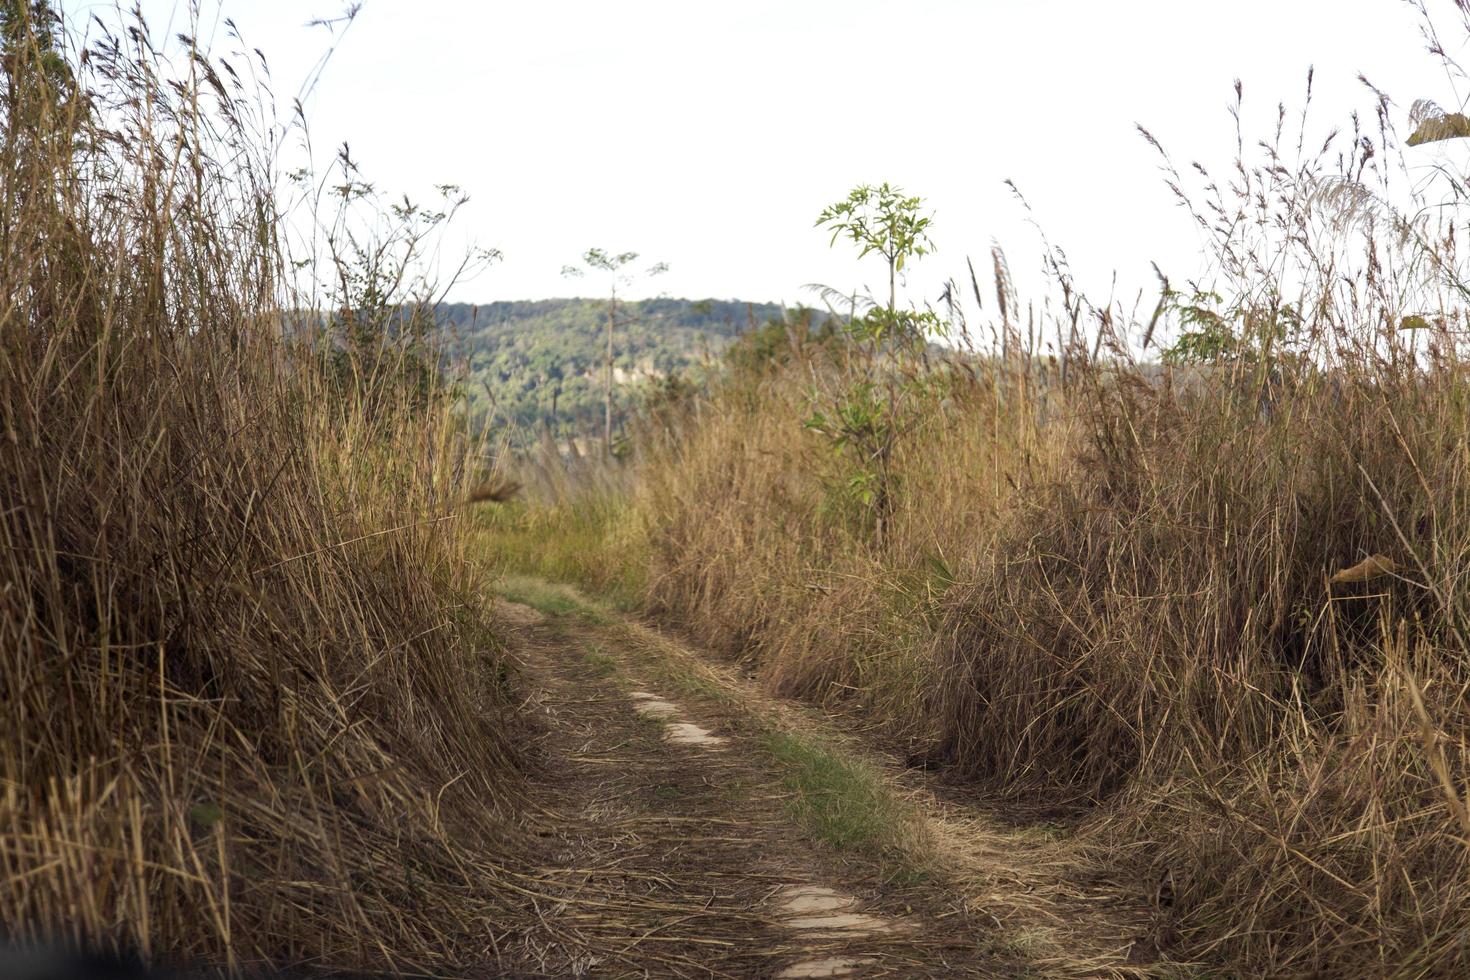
(612, 312)
(892, 290)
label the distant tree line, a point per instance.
(540, 363)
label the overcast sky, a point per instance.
(710, 134)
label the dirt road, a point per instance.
(700, 828)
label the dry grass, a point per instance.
(758, 548)
(1221, 607)
(1130, 607)
(573, 525)
(250, 712)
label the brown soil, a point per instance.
(673, 852)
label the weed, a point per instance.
(602, 665)
(554, 599)
(586, 539)
(836, 797)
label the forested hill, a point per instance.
(540, 360)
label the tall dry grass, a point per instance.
(760, 547)
(249, 709)
(1141, 589)
(1161, 635)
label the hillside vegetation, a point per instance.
(1195, 580)
(525, 364)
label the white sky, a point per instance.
(710, 134)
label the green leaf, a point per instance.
(206, 815)
(939, 572)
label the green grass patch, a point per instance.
(601, 663)
(591, 542)
(842, 802)
(687, 684)
(840, 799)
(551, 598)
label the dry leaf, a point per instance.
(1366, 570)
(496, 491)
(1447, 127)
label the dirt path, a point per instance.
(703, 830)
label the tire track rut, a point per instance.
(673, 853)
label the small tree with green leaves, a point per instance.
(864, 418)
(618, 270)
(886, 221)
